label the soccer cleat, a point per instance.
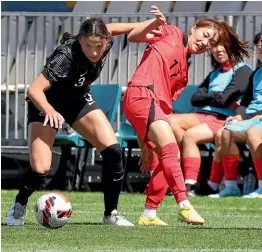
(227, 192)
(116, 219)
(189, 215)
(206, 189)
(16, 215)
(254, 195)
(151, 221)
(191, 190)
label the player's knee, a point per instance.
(252, 134)
(174, 122)
(112, 161)
(190, 137)
(41, 167)
(112, 154)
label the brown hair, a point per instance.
(257, 38)
(255, 41)
(236, 49)
(90, 27)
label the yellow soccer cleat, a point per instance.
(151, 221)
(189, 215)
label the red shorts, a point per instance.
(212, 121)
(142, 108)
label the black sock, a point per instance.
(112, 176)
(31, 182)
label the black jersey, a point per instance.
(70, 72)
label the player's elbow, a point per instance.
(132, 37)
(31, 91)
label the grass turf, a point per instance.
(232, 224)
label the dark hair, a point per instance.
(255, 41)
(235, 48)
(90, 27)
(257, 38)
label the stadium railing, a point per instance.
(27, 39)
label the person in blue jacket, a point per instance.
(216, 99)
(245, 127)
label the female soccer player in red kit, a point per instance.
(159, 79)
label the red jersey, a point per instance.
(163, 67)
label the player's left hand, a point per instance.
(161, 19)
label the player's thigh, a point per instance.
(199, 134)
(95, 128)
(184, 121)
(40, 141)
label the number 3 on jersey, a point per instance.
(81, 82)
(89, 99)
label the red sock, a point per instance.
(156, 189)
(217, 172)
(230, 165)
(258, 167)
(172, 171)
(191, 167)
(154, 163)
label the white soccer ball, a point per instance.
(53, 210)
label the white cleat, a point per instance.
(116, 219)
(254, 195)
(16, 215)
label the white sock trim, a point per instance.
(184, 203)
(190, 181)
(149, 213)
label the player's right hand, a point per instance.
(54, 118)
(145, 159)
(234, 118)
(161, 19)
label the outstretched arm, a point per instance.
(124, 28)
(147, 31)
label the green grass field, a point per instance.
(232, 224)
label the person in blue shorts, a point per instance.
(245, 127)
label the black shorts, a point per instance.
(71, 112)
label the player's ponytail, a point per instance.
(66, 36)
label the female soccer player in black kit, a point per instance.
(61, 93)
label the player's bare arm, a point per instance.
(146, 32)
(124, 28)
(37, 96)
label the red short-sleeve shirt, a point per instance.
(164, 66)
